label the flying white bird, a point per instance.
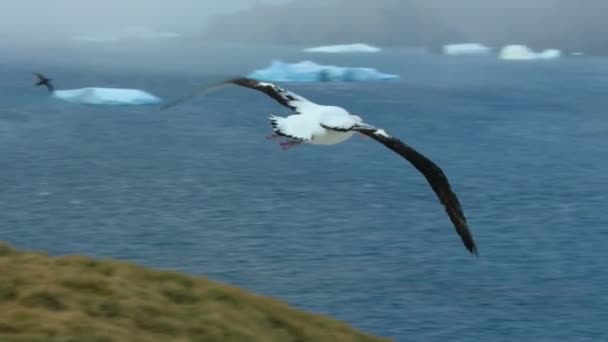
(327, 125)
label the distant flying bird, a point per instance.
(327, 125)
(43, 81)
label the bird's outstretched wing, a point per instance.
(434, 175)
(282, 96)
(45, 81)
(41, 77)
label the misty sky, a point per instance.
(40, 20)
(102, 32)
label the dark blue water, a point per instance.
(352, 230)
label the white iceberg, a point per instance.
(344, 48)
(522, 52)
(130, 33)
(106, 96)
(308, 71)
(148, 33)
(96, 39)
(466, 49)
(549, 54)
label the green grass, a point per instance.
(80, 299)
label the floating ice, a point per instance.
(130, 33)
(522, 52)
(106, 96)
(96, 39)
(308, 71)
(148, 33)
(344, 48)
(550, 54)
(517, 52)
(466, 49)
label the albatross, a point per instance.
(44, 81)
(313, 123)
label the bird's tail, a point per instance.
(275, 122)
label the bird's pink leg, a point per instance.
(272, 136)
(289, 144)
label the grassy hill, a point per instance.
(80, 299)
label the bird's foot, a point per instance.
(289, 144)
(272, 136)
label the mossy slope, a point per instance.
(81, 299)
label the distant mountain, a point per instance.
(563, 24)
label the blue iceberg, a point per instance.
(344, 48)
(466, 49)
(106, 96)
(522, 52)
(308, 71)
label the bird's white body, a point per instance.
(317, 124)
(330, 137)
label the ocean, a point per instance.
(352, 230)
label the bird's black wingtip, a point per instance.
(473, 250)
(469, 244)
(239, 80)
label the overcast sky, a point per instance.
(119, 31)
(96, 34)
(33, 20)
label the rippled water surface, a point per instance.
(352, 230)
